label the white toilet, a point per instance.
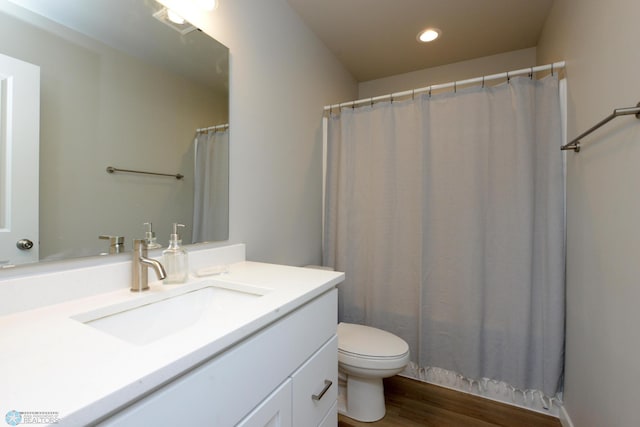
(366, 355)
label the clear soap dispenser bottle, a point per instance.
(150, 237)
(175, 259)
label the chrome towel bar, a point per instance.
(111, 169)
(575, 144)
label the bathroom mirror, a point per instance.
(121, 88)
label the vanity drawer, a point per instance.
(315, 385)
(274, 411)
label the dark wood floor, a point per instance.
(413, 403)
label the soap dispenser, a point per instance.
(175, 259)
(150, 237)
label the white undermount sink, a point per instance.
(151, 317)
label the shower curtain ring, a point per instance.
(508, 78)
(353, 105)
(483, 82)
(429, 91)
(371, 101)
(413, 94)
(531, 74)
(455, 87)
(552, 69)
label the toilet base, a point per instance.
(364, 399)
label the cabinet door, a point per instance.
(315, 385)
(274, 411)
(331, 419)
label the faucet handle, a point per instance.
(116, 243)
(114, 239)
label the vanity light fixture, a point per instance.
(208, 4)
(173, 20)
(428, 35)
(174, 17)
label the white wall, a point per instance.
(487, 65)
(598, 40)
(281, 77)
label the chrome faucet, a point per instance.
(140, 267)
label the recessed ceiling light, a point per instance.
(428, 35)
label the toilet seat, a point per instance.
(370, 348)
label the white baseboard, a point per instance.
(564, 417)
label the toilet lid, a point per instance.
(369, 342)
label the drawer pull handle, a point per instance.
(327, 385)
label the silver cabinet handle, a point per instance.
(327, 385)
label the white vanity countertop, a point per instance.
(50, 362)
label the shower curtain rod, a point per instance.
(213, 128)
(506, 75)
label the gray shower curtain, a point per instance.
(211, 187)
(447, 215)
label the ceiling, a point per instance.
(377, 38)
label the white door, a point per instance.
(19, 160)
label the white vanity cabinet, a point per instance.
(307, 398)
(282, 375)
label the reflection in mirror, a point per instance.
(121, 89)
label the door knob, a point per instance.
(24, 244)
